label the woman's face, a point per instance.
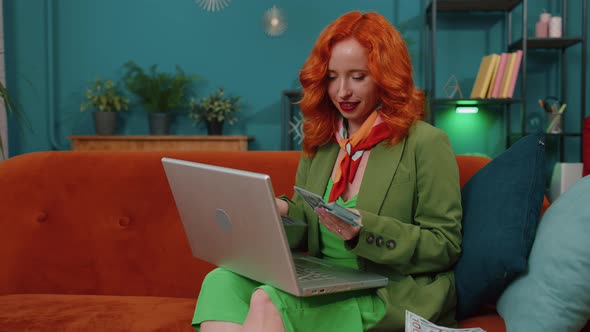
(351, 87)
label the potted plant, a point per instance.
(105, 98)
(215, 110)
(160, 93)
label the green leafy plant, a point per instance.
(104, 96)
(215, 108)
(158, 91)
(11, 109)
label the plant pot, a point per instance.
(215, 127)
(105, 123)
(159, 123)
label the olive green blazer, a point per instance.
(410, 204)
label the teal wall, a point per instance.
(54, 48)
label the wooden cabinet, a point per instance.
(155, 143)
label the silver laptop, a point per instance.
(231, 220)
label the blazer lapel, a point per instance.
(321, 168)
(317, 180)
(381, 167)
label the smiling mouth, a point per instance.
(347, 107)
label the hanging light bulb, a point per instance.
(274, 22)
(213, 5)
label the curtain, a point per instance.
(3, 124)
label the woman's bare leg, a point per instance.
(263, 315)
(216, 326)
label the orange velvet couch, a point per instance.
(92, 241)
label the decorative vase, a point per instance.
(105, 123)
(215, 127)
(159, 123)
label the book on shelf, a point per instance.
(515, 71)
(497, 83)
(493, 78)
(486, 69)
(507, 75)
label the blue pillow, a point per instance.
(501, 207)
(554, 294)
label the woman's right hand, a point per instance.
(338, 226)
(282, 206)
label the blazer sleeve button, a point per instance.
(379, 241)
(370, 238)
(390, 244)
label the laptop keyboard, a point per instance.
(305, 274)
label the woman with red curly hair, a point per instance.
(365, 148)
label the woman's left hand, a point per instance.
(338, 226)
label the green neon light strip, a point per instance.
(466, 109)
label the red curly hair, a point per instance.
(389, 64)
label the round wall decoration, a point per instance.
(213, 5)
(274, 22)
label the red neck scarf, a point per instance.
(370, 133)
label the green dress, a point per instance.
(225, 296)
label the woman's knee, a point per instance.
(219, 273)
(260, 299)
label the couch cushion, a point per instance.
(501, 207)
(554, 294)
(586, 146)
(469, 165)
(489, 323)
(48, 312)
(105, 223)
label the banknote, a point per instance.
(315, 200)
(415, 323)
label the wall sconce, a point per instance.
(274, 22)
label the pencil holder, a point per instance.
(554, 123)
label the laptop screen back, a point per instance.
(231, 220)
